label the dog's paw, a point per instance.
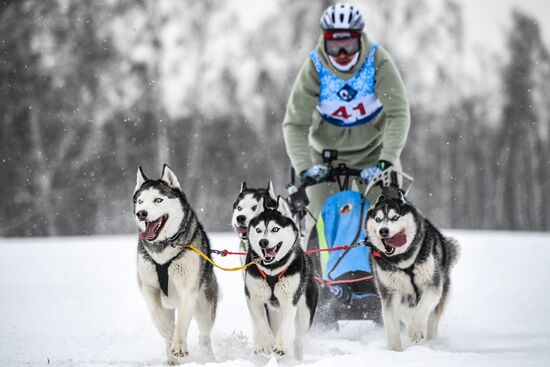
(416, 334)
(279, 349)
(263, 349)
(179, 350)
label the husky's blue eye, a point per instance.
(255, 207)
(378, 220)
(275, 229)
(258, 230)
(239, 208)
(395, 217)
(140, 201)
(158, 200)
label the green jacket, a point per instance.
(360, 146)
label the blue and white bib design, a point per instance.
(351, 102)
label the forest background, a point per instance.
(90, 90)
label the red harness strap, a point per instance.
(345, 281)
(339, 248)
(376, 254)
(279, 277)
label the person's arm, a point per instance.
(391, 92)
(300, 107)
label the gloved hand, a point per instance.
(317, 173)
(370, 173)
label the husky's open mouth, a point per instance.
(270, 253)
(391, 243)
(242, 231)
(152, 229)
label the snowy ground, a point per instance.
(75, 301)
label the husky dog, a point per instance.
(280, 289)
(412, 263)
(247, 206)
(171, 276)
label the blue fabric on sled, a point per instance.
(340, 229)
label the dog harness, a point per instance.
(271, 281)
(162, 273)
(348, 103)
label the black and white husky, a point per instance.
(412, 267)
(247, 206)
(280, 289)
(170, 276)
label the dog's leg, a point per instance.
(188, 302)
(274, 318)
(162, 317)
(263, 337)
(417, 329)
(301, 325)
(287, 313)
(390, 314)
(433, 320)
(205, 314)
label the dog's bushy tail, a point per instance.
(452, 251)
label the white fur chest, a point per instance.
(286, 287)
(258, 288)
(185, 269)
(395, 281)
(165, 255)
(423, 273)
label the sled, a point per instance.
(338, 244)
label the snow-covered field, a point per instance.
(75, 301)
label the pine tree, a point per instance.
(519, 180)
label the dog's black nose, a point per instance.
(264, 243)
(142, 215)
(241, 219)
(384, 231)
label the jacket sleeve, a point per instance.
(391, 92)
(298, 117)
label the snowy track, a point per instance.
(75, 301)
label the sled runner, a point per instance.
(338, 244)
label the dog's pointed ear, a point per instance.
(282, 207)
(271, 190)
(262, 204)
(141, 178)
(380, 199)
(170, 178)
(243, 186)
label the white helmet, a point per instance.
(342, 17)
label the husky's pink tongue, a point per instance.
(272, 251)
(149, 231)
(397, 241)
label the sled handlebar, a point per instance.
(297, 197)
(340, 171)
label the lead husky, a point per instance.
(169, 275)
(412, 267)
(247, 206)
(280, 289)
